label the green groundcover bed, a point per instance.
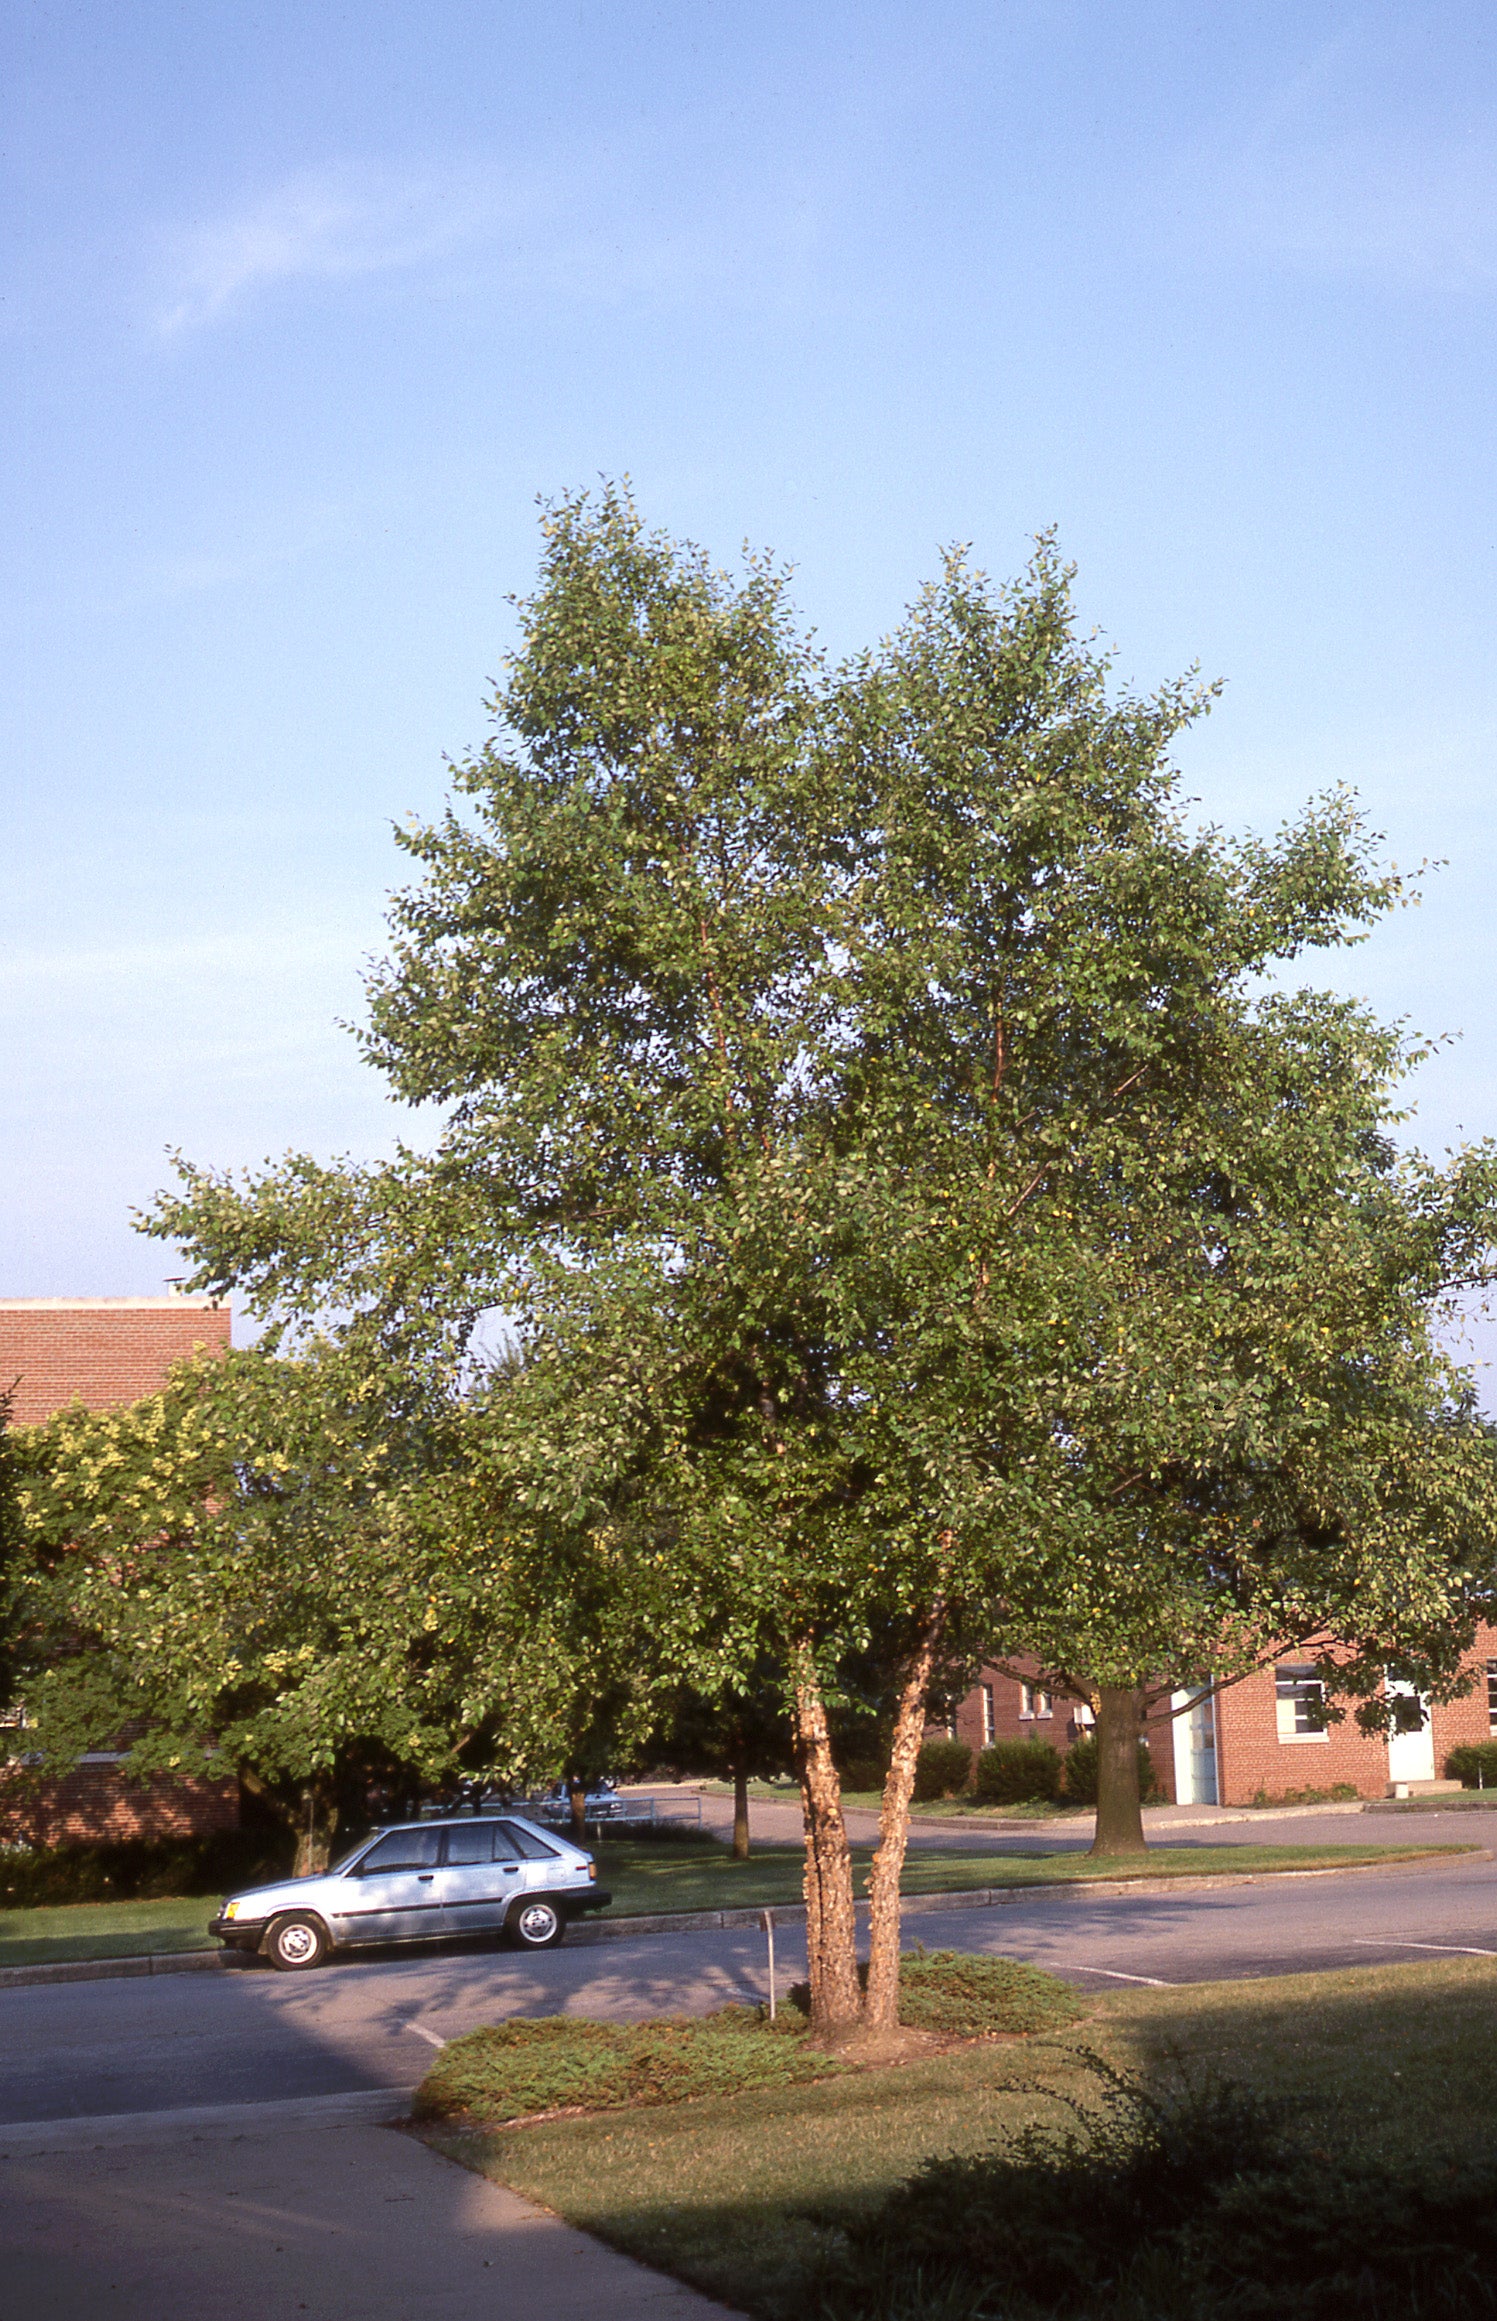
(1323, 2145)
(512, 2070)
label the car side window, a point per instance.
(403, 1849)
(470, 1845)
(527, 1844)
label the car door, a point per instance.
(395, 1893)
(482, 1873)
(545, 1869)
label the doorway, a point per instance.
(1411, 1755)
(1195, 1750)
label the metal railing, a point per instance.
(608, 1811)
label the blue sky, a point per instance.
(303, 306)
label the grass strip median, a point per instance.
(57, 1932)
(648, 1880)
(758, 2197)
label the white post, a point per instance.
(766, 1920)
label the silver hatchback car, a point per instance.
(483, 1874)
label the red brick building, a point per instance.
(1253, 1739)
(102, 1352)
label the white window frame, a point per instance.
(1035, 1702)
(989, 1716)
(1295, 1684)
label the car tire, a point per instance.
(296, 1943)
(536, 1923)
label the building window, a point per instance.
(1298, 1695)
(1492, 1696)
(1034, 1703)
(989, 1718)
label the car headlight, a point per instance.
(231, 1909)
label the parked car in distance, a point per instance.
(469, 1873)
(602, 1802)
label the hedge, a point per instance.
(1081, 1772)
(1018, 1772)
(942, 1769)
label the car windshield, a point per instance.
(343, 1860)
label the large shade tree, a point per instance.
(862, 1095)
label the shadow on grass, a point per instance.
(1364, 2168)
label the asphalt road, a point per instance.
(248, 2034)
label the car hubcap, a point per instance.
(537, 1923)
(298, 1943)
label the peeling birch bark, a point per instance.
(831, 1924)
(882, 2008)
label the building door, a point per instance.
(1411, 1756)
(1195, 1750)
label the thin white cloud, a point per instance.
(332, 225)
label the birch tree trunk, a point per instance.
(1120, 1821)
(831, 1924)
(882, 2008)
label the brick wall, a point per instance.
(1252, 1757)
(100, 1351)
(95, 1806)
(103, 1352)
(1060, 1728)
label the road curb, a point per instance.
(99, 1970)
(593, 1930)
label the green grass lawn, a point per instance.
(104, 1930)
(736, 2194)
(645, 1877)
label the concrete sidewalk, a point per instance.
(289, 2215)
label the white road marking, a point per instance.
(1451, 1949)
(422, 2033)
(1155, 1982)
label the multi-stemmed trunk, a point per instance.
(1120, 1824)
(838, 2005)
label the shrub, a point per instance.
(1013, 1772)
(863, 1774)
(144, 1869)
(1081, 1772)
(1339, 1793)
(510, 2070)
(1189, 2201)
(941, 1769)
(1474, 1765)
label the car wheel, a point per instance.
(537, 1925)
(296, 1943)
